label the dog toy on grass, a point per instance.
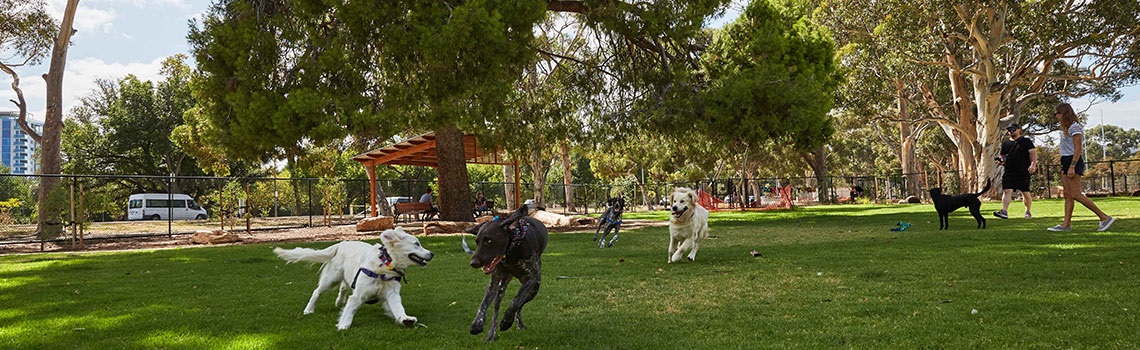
(902, 226)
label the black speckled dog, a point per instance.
(610, 220)
(507, 248)
(946, 204)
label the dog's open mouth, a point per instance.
(491, 266)
(678, 213)
(417, 259)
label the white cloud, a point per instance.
(87, 19)
(78, 81)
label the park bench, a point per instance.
(412, 210)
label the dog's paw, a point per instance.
(409, 322)
(690, 258)
(476, 328)
(307, 312)
(342, 326)
(506, 324)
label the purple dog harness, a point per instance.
(387, 261)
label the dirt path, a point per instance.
(307, 234)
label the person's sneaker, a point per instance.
(1028, 215)
(1001, 214)
(1060, 228)
(1104, 225)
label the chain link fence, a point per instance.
(97, 206)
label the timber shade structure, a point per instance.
(420, 151)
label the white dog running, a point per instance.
(688, 225)
(371, 272)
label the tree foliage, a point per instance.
(772, 77)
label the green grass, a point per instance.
(829, 277)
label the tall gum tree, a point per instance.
(24, 29)
(997, 57)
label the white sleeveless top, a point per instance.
(1067, 147)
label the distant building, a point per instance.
(17, 149)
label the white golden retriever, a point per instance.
(688, 225)
(370, 272)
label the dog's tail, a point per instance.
(322, 256)
(984, 189)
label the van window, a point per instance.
(178, 203)
(193, 205)
(157, 203)
(134, 204)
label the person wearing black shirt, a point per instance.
(1020, 159)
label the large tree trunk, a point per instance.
(50, 213)
(568, 177)
(817, 160)
(454, 194)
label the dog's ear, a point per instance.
(692, 197)
(390, 236)
(518, 214)
(475, 229)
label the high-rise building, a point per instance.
(17, 149)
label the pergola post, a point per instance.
(371, 169)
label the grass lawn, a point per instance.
(829, 277)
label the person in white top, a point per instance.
(1072, 168)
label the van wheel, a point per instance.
(200, 217)
(155, 217)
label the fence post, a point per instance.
(310, 209)
(1112, 176)
(170, 207)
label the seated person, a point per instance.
(432, 210)
(481, 204)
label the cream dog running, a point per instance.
(688, 225)
(371, 272)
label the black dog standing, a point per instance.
(610, 220)
(946, 204)
(508, 248)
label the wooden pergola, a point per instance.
(420, 151)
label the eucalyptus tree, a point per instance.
(26, 29)
(996, 57)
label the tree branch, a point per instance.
(22, 119)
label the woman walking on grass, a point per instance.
(1072, 168)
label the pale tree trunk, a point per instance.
(967, 134)
(49, 214)
(509, 188)
(454, 194)
(908, 137)
(568, 177)
(538, 167)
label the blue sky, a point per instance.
(120, 37)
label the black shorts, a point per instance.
(1079, 168)
(1018, 182)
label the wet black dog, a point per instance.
(946, 204)
(610, 220)
(507, 248)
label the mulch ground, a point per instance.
(306, 234)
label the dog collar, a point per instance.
(517, 236)
(386, 259)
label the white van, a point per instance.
(163, 206)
